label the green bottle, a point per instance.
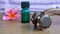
(25, 12)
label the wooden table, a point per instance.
(16, 27)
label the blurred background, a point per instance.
(35, 5)
(15, 27)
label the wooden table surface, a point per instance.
(16, 27)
